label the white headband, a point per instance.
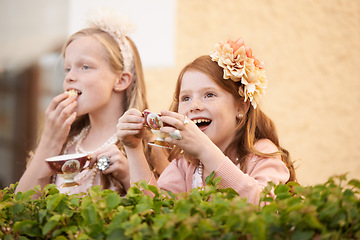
(119, 28)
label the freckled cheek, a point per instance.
(182, 109)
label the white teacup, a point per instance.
(152, 120)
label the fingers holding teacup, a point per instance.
(130, 123)
(132, 116)
(186, 120)
(176, 135)
(177, 120)
(172, 134)
(130, 128)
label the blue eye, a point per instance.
(67, 70)
(185, 99)
(209, 95)
(85, 67)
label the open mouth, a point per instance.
(74, 92)
(202, 123)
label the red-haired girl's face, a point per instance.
(212, 108)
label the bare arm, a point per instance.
(58, 118)
(129, 129)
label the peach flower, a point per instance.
(240, 65)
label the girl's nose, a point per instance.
(70, 76)
(196, 105)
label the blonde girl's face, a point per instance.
(89, 73)
(213, 109)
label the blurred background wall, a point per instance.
(310, 50)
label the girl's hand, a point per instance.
(130, 128)
(193, 141)
(118, 165)
(58, 118)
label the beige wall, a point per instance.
(311, 53)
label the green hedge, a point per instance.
(325, 211)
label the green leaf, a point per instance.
(95, 230)
(27, 227)
(116, 234)
(282, 191)
(18, 196)
(60, 238)
(83, 236)
(302, 235)
(133, 192)
(183, 209)
(54, 200)
(154, 189)
(171, 194)
(26, 196)
(37, 188)
(94, 191)
(23, 238)
(90, 214)
(18, 208)
(313, 222)
(144, 185)
(281, 188)
(112, 200)
(10, 237)
(75, 202)
(65, 230)
(209, 178)
(355, 183)
(42, 215)
(49, 225)
(216, 181)
(51, 189)
(144, 204)
(230, 192)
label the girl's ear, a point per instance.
(243, 108)
(122, 82)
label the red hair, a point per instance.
(253, 126)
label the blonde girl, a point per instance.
(104, 78)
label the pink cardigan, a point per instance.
(177, 177)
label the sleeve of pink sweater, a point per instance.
(174, 178)
(259, 172)
(177, 177)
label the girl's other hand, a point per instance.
(130, 128)
(118, 165)
(59, 116)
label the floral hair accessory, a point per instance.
(240, 65)
(116, 26)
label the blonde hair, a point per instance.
(253, 126)
(135, 95)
